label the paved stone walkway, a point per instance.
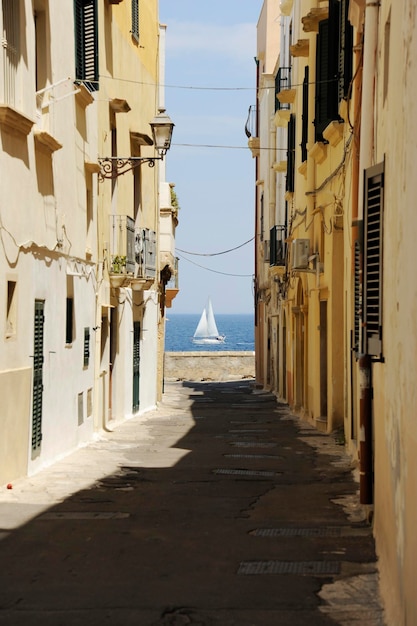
(217, 509)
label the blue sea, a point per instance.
(239, 331)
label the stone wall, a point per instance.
(209, 365)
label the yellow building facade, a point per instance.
(334, 143)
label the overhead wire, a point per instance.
(217, 253)
(215, 271)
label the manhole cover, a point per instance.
(242, 472)
(304, 568)
(296, 532)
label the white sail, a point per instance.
(206, 331)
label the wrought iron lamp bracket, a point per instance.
(112, 167)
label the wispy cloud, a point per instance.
(236, 41)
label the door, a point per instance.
(37, 395)
(136, 365)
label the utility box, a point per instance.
(300, 254)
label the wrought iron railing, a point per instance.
(277, 245)
(251, 126)
(282, 81)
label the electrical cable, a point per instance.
(216, 253)
(215, 271)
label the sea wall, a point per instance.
(209, 365)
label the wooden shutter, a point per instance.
(135, 19)
(327, 68)
(304, 117)
(289, 185)
(358, 298)
(37, 392)
(345, 51)
(86, 43)
(86, 346)
(372, 294)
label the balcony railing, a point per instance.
(122, 244)
(251, 126)
(277, 245)
(282, 82)
(132, 252)
(173, 282)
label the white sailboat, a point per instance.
(206, 331)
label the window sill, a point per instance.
(45, 140)
(83, 95)
(333, 133)
(318, 152)
(15, 121)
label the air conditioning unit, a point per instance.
(300, 254)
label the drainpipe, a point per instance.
(366, 160)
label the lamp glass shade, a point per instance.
(162, 127)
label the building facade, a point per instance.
(333, 139)
(82, 270)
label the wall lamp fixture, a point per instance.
(162, 127)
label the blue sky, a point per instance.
(212, 45)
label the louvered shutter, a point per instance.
(345, 52)
(37, 391)
(289, 185)
(135, 19)
(86, 43)
(372, 294)
(304, 129)
(358, 298)
(327, 69)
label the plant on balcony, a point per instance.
(118, 265)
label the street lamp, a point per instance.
(162, 127)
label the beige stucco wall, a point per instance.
(14, 423)
(209, 365)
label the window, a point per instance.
(304, 129)
(10, 49)
(372, 270)
(86, 346)
(345, 51)
(11, 313)
(289, 185)
(326, 75)
(69, 335)
(86, 43)
(135, 20)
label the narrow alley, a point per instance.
(219, 508)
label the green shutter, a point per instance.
(86, 346)
(372, 296)
(135, 19)
(86, 43)
(37, 393)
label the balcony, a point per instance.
(284, 95)
(172, 286)
(277, 248)
(132, 254)
(251, 130)
(168, 222)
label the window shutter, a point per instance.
(358, 298)
(135, 19)
(327, 69)
(86, 346)
(304, 130)
(345, 52)
(289, 185)
(86, 43)
(372, 295)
